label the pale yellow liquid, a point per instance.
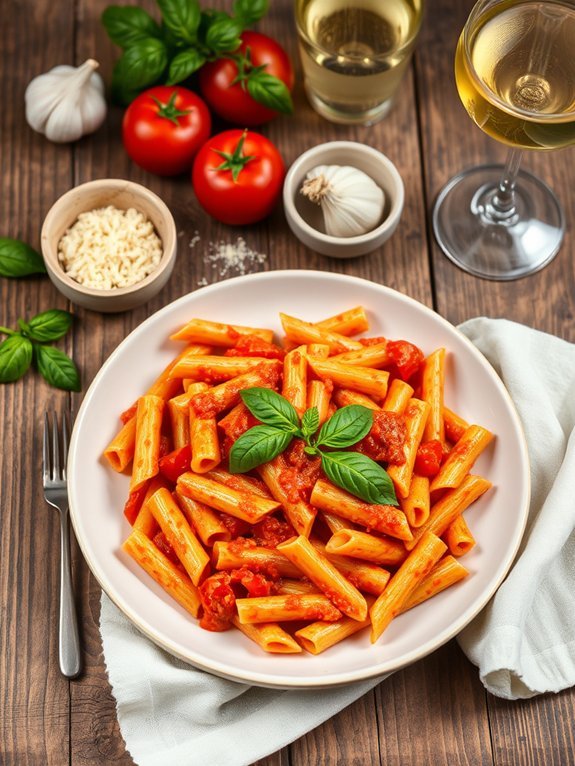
(518, 82)
(354, 52)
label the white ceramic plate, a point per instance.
(97, 494)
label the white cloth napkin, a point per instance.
(523, 642)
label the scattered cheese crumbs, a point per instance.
(230, 259)
(108, 248)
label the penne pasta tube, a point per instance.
(214, 368)
(416, 505)
(239, 482)
(361, 545)
(414, 569)
(361, 379)
(455, 426)
(161, 569)
(287, 586)
(317, 568)
(319, 636)
(145, 522)
(206, 522)
(237, 553)
(300, 514)
(217, 333)
(451, 505)
(243, 505)
(335, 522)
(350, 322)
(226, 395)
(398, 396)
(367, 356)
(343, 396)
(307, 606)
(175, 527)
(415, 418)
(383, 518)
(147, 445)
(205, 444)
(319, 395)
(294, 387)
(270, 636)
(445, 573)
(461, 458)
(458, 537)
(367, 577)
(432, 384)
(305, 333)
(321, 350)
(179, 411)
(120, 451)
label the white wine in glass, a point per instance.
(515, 73)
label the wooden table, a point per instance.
(434, 712)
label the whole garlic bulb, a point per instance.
(351, 202)
(67, 102)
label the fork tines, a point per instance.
(54, 458)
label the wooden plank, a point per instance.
(33, 695)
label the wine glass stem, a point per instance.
(502, 207)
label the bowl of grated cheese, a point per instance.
(109, 245)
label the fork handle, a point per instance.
(69, 639)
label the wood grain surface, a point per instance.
(434, 712)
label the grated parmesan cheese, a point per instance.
(230, 259)
(109, 248)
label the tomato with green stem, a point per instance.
(238, 176)
(252, 85)
(164, 127)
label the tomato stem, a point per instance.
(169, 111)
(245, 67)
(236, 161)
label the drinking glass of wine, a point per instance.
(515, 73)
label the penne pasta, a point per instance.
(304, 333)
(147, 442)
(361, 545)
(307, 606)
(461, 458)
(299, 513)
(218, 333)
(364, 380)
(206, 522)
(458, 537)
(243, 505)
(270, 636)
(350, 322)
(233, 555)
(294, 387)
(432, 385)
(398, 396)
(445, 573)
(415, 419)
(416, 505)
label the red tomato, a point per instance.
(406, 356)
(224, 84)
(163, 129)
(428, 458)
(238, 176)
(175, 463)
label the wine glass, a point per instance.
(515, 73)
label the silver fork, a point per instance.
(56, 495)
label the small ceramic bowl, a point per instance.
(123, 195)
(305, 218)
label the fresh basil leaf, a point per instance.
(184, 64)
(346, 427)
(223, 35)
(250, 11)
(359, 475)
(270, 91)
(15, 358)
(257, 446)
(17, 259)
(271, 408)
(57, 368)
(310, 422)
(140, 65)
(49, 325)
(182, 18)
(127, 25)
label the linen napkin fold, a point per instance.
(524, 640)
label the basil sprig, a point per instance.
(352, 471)
(29, 344)
(185, 40)
(17, 259)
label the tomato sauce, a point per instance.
(253, 345)
(300, 474)
(270, 532)
(386, 440)
(218, 601)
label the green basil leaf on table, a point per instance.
(257, 446)
(181, 17)
(49, 325)
(140, 65)
(360, 476)
(250, 11)
(57, 368)
(270, 91)
(127, 25)
(223, 35)
(17, 259)
(271, 408)
(15, 358)
(184, 64)
(310, 422)
(346, 427)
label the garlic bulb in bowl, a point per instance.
(351, 202)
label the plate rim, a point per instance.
(330, 680)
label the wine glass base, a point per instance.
(497, 249)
